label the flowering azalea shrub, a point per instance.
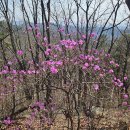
(40, 113)
(75, 79)
(7, 122)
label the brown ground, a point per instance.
(108, 120)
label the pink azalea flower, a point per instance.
(48, 51)
(120, 84)
(101, 75)
(125, 96)
(92, 35)
(117, 65)
(90, 58)
(124, 103)
(45, 38)
(96, 87)
(29, 72)
(112, 62)
(96, 68)
(29, 29)
(58, 48)
(8, 121)
(4, 71)
(40, 105)
(85, 66)
(125, 78)
(38, 35)
(5, 67)
(83, 36)
(33, 72)
(60, 63)
(81, 42)
(14, 72)
(9, 63)
(22, 72)
(20, 52)
(53, 70)
(55, 56)
(111, 71)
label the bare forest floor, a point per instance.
(111, 119)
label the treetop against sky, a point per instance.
(106, 5)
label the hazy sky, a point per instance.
(122, 12)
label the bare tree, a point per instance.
(128, 3)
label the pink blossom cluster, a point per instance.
(53, 66)
(38, 105)
(8, 121)
(125, 101)
(20, 52)
(69, 53)
(18, 72)
(117, 82)
(69, 44)
(40, 110)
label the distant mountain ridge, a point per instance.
(72, 28)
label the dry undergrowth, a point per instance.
(111, 119)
